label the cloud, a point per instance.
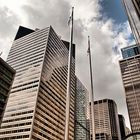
(8, 20)
(8, 27)
(105, 35)
(106, 39)
(41, 14)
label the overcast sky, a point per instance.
(103, 20)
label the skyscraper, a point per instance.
(132, 8)
(36, 106)
(82, 131)
(130, 71)
(122, 126)
(106, 120)
(101, 136)
(7, 74)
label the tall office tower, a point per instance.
(132, 8)
(7, 74)
(106, 119)
(36, 105)
(82, 131)
(122, 126)
(130, 71)
(101, 136)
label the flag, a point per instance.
(88, 50)
(71, 17)
(69, 21)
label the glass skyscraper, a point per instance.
(122, 126)
(132, 8)
(36, 105)
(82, 131)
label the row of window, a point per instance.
(28, 59)
(17, 119)
(29, 64)
(47, 115)
(32, 82)
(53, 115)
(58, 79)
(52, 100)
(53, 130)
(36, 38)
(15, 137)
(48, 89)
(15, 131)
(25, 88)
(16, 125)
(19, 113)
(46, 103)
(53, 127)
(19, 75)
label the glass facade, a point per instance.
(36, 106)
(122, 126)
(7, 74)
(82, 131)
(132, 8)
(130, 51)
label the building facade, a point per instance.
(122, 126)
(7, 74)
(82, 131)
(36, 105)
(106, 119)
(132, 8)
(130, 71)
(101, 136)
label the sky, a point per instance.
(103, 20)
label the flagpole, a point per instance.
(69, 81)
(91, 94)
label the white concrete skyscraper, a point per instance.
(130, 71)
(36, 106)
(106, 120)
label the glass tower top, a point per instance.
(130, 51)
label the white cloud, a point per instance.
(104, 34)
